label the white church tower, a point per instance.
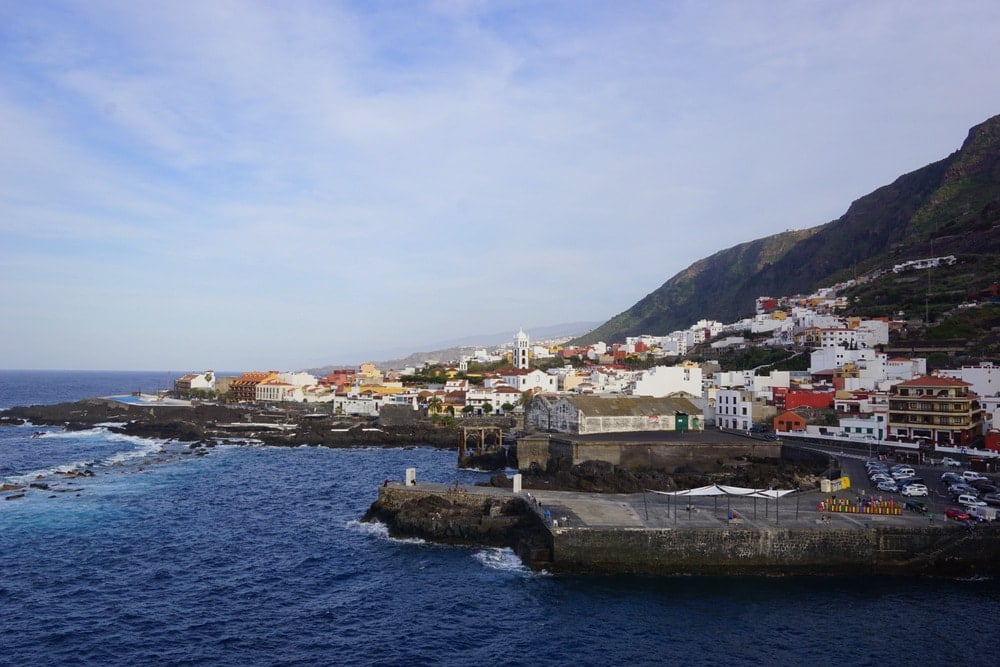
(521, 344)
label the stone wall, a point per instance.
(545, 451)
(821, 551)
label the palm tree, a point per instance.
(434, 404)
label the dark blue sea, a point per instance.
(254, 556)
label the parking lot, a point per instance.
(941, 494)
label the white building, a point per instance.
(522, 347)
(984, 378)
(277, 390)
(734, 409)
(739, 410)
(665, 380)
(535, 380)
(298, 379)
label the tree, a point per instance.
(506, 407)
(487, 408)
(434, 404)
(468, 410)
(450, 410)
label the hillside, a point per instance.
(948, 207)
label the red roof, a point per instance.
(933, 381)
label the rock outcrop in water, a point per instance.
(203, 423)
(457, 517)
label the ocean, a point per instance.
(255, 556)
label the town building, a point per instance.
(583, 415)
(665, 380)
(244, 388)
(195, 382)
(940, 410)
(522, 350)
(739, 410)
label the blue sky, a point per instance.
(238, 185)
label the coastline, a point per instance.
(576, 533)
(202, 425)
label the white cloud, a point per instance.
(377, 171)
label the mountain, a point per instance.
(451, 350)
(949, 207)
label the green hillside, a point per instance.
(948, 207)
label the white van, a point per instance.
(968, 500)
(982, 513)
(972, 476)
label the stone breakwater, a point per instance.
(453, 514)
(809, 546)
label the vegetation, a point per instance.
(950, 207)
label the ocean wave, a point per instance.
(141, 448)
(380, 530)
(63, 434)
(501, 559)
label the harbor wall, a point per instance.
(947, 551)
(494, 517)
(552, 453)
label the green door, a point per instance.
(681, 422)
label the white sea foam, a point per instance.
(504, 560)
(142, 447)
(381, 531)
(90, 432)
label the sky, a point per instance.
(282, 185)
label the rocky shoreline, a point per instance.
(453, 515)
(203, 425)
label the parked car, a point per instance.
(888, 486)
(992, 499)
(916, 506)
(951, 478)
(959, 489)
(956, 514)
(903, 473)
(915, 490)
(984, 486)
(881, 478)
(972, 475)
(948, 461)
(967, 500)
(911, 480)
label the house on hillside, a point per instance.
(789, 421)
(581, 415)
(941, 410)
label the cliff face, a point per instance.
(948, 207)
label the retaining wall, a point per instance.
(821, 551)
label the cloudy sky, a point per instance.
(240, 185)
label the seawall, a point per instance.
(946, 551)
(604, 535)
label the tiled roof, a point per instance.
(602, 406)
(933, 381)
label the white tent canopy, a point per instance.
(718, 490)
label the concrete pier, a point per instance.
(576, 532)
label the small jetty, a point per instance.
(647, 533)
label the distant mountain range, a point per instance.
(949, 207)
(451, 350)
